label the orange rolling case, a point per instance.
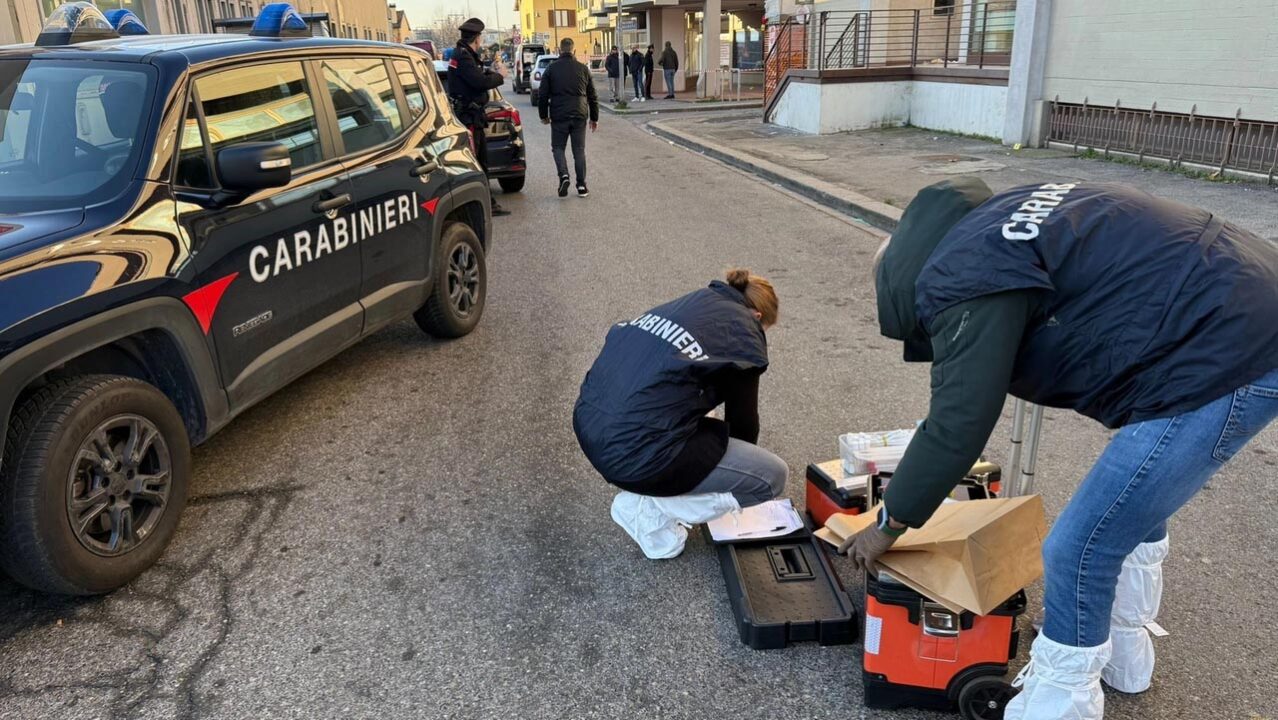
(920, 654)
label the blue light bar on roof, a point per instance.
(75, 22)
(125, 22)
(280, 20)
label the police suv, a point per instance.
(188, 223)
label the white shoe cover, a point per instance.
(697, 509)
(1060, 683)
(1136, 601)
(660, 536)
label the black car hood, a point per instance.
(17, 230)
(933, 212)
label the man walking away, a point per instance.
(613, 65)
(468, 86)
(565, 101)
(636, 70)
(669, 64)
(647, 73)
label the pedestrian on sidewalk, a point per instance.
(669, 64)
(636, 72)
(468, 86)
(612, 64)
(567, 102)
(647, 73)
(641, 417)
(1154, 318)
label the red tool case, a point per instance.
(823, 496)
(920, 654)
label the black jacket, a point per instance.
(641, 415)
(636, 63)
(647, 62)
(469, 83)
(1093, 297)
(669, 59)
(567, 92)
(613, 65)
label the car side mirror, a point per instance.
(250, 166)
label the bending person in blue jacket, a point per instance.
(1154, 318)
(641, 417)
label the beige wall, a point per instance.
(1220, 56)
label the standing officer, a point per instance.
(567, 98)
(468, 85)
(1154, 318)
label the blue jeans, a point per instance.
(753, 475)
(1148, 471)
(669, 81)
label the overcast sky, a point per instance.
(422, 13)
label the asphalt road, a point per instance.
(410, 531)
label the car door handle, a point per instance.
(425, 167)
(331, 203)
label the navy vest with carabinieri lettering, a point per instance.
(1151, 308)
(649, 390)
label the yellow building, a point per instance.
(550, 21)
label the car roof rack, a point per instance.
(280, 20)
(75, 22)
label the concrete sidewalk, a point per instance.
(873, 174)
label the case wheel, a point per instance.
(985, 699)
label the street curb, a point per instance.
(871, 211)
(746, 105)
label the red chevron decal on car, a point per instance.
(430, 205)
(203, 301)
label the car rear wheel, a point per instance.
(461, 285)
(511, 184)
(94, 479)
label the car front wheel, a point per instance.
(93, 482)
(456, 303)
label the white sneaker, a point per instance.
(1136, 600)
(660, 536)
(1060, 683)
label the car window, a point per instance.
(261, 103)
(364, 101)
(413, 94)
(68, 130)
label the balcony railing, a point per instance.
(975, 35)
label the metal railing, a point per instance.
(787, 49)
(975, 35)
(1212, 141)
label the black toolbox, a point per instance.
(784, 590)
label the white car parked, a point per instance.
(539, 67)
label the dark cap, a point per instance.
(472, 26)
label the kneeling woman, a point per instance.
(642, 419)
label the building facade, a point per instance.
(550, 21)
(21, 20)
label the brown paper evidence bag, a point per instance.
(971, 555)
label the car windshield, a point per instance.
(69, 131)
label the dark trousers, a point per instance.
(647, 84)
(478, 132)
(560, 131)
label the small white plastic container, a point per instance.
(883, 449)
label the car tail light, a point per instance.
(470, 136)
(512, 116)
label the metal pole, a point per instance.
(985, 21)
(1026, 479)
(1014, 455)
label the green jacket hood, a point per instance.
(933, 213)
